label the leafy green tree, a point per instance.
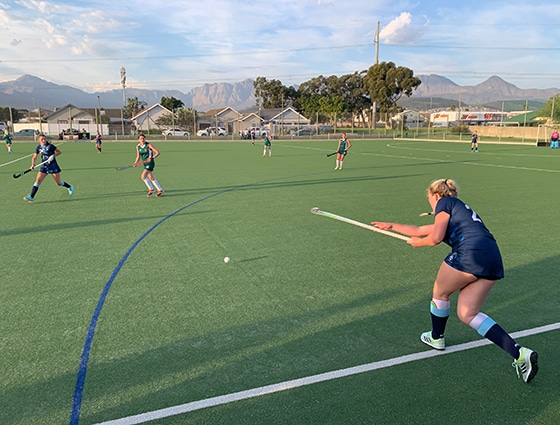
(386, 84)
(271, 94)
(184, 118)
(311, 92)
(171, 103)
(356, 98)
(551, 109)
(5, 114)
(332, 107)
(133, 106)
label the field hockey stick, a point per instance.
(18, 175)
(130, 166)
(425, 214)
(331, 154)
(317, 211)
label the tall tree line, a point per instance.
(332, 98)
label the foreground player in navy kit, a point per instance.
(472, 268)
(48, 152)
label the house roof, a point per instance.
(521, 118)
(149, 109)
(218, 112)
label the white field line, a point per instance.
(513, 167)
(313, 379)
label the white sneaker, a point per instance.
(527, 365)
(438, 344)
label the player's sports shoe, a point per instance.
(71, 190)
(28, 198)
(336, 168)
(438, 344)
(160, 192)
(150, 193)
(527, 365)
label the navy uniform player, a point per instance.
(148, 153)
(472, 268)
(341, 151)
(47, 152)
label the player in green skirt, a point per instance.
(146, 153)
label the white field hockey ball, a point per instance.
(227, 260)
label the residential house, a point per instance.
(89, 119)
(145, 120)
(225, 118)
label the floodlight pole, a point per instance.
(123, 82)
(374, 105)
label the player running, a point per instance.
(147, 153)
(48, 153)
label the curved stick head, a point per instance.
(315, 210)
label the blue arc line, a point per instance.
(81, 379)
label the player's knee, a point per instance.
(466, 315)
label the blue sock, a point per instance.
(439, 311)
(489, 329)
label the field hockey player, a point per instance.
(472, 268)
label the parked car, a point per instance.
(211, 131)
(175, 132)
(259, 131)
(25, 132)
(304, 131)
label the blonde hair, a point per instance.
(443, 187)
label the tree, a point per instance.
(271, 94)
(332, 107)
(313, 91)
(184, 118)
(5, 114)
(171, 103)
(356, 98)
(387, 83)
(551, 109)
(133, 106)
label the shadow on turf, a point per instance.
(92, 223)
(256, 353)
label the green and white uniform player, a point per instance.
(8, 140)
(147, 153)
(341, 151)
(267, 144)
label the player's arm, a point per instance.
(405, 229)
(155, 152)
(436, 233)
(33, 159)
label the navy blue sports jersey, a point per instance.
(45, 152)
(474, 249)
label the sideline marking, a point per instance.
(313, 379)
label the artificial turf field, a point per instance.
(303, 295)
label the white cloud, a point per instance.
(402, 30)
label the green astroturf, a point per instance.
(302, 295)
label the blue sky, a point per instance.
(185, 44)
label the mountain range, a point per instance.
(30, 92)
